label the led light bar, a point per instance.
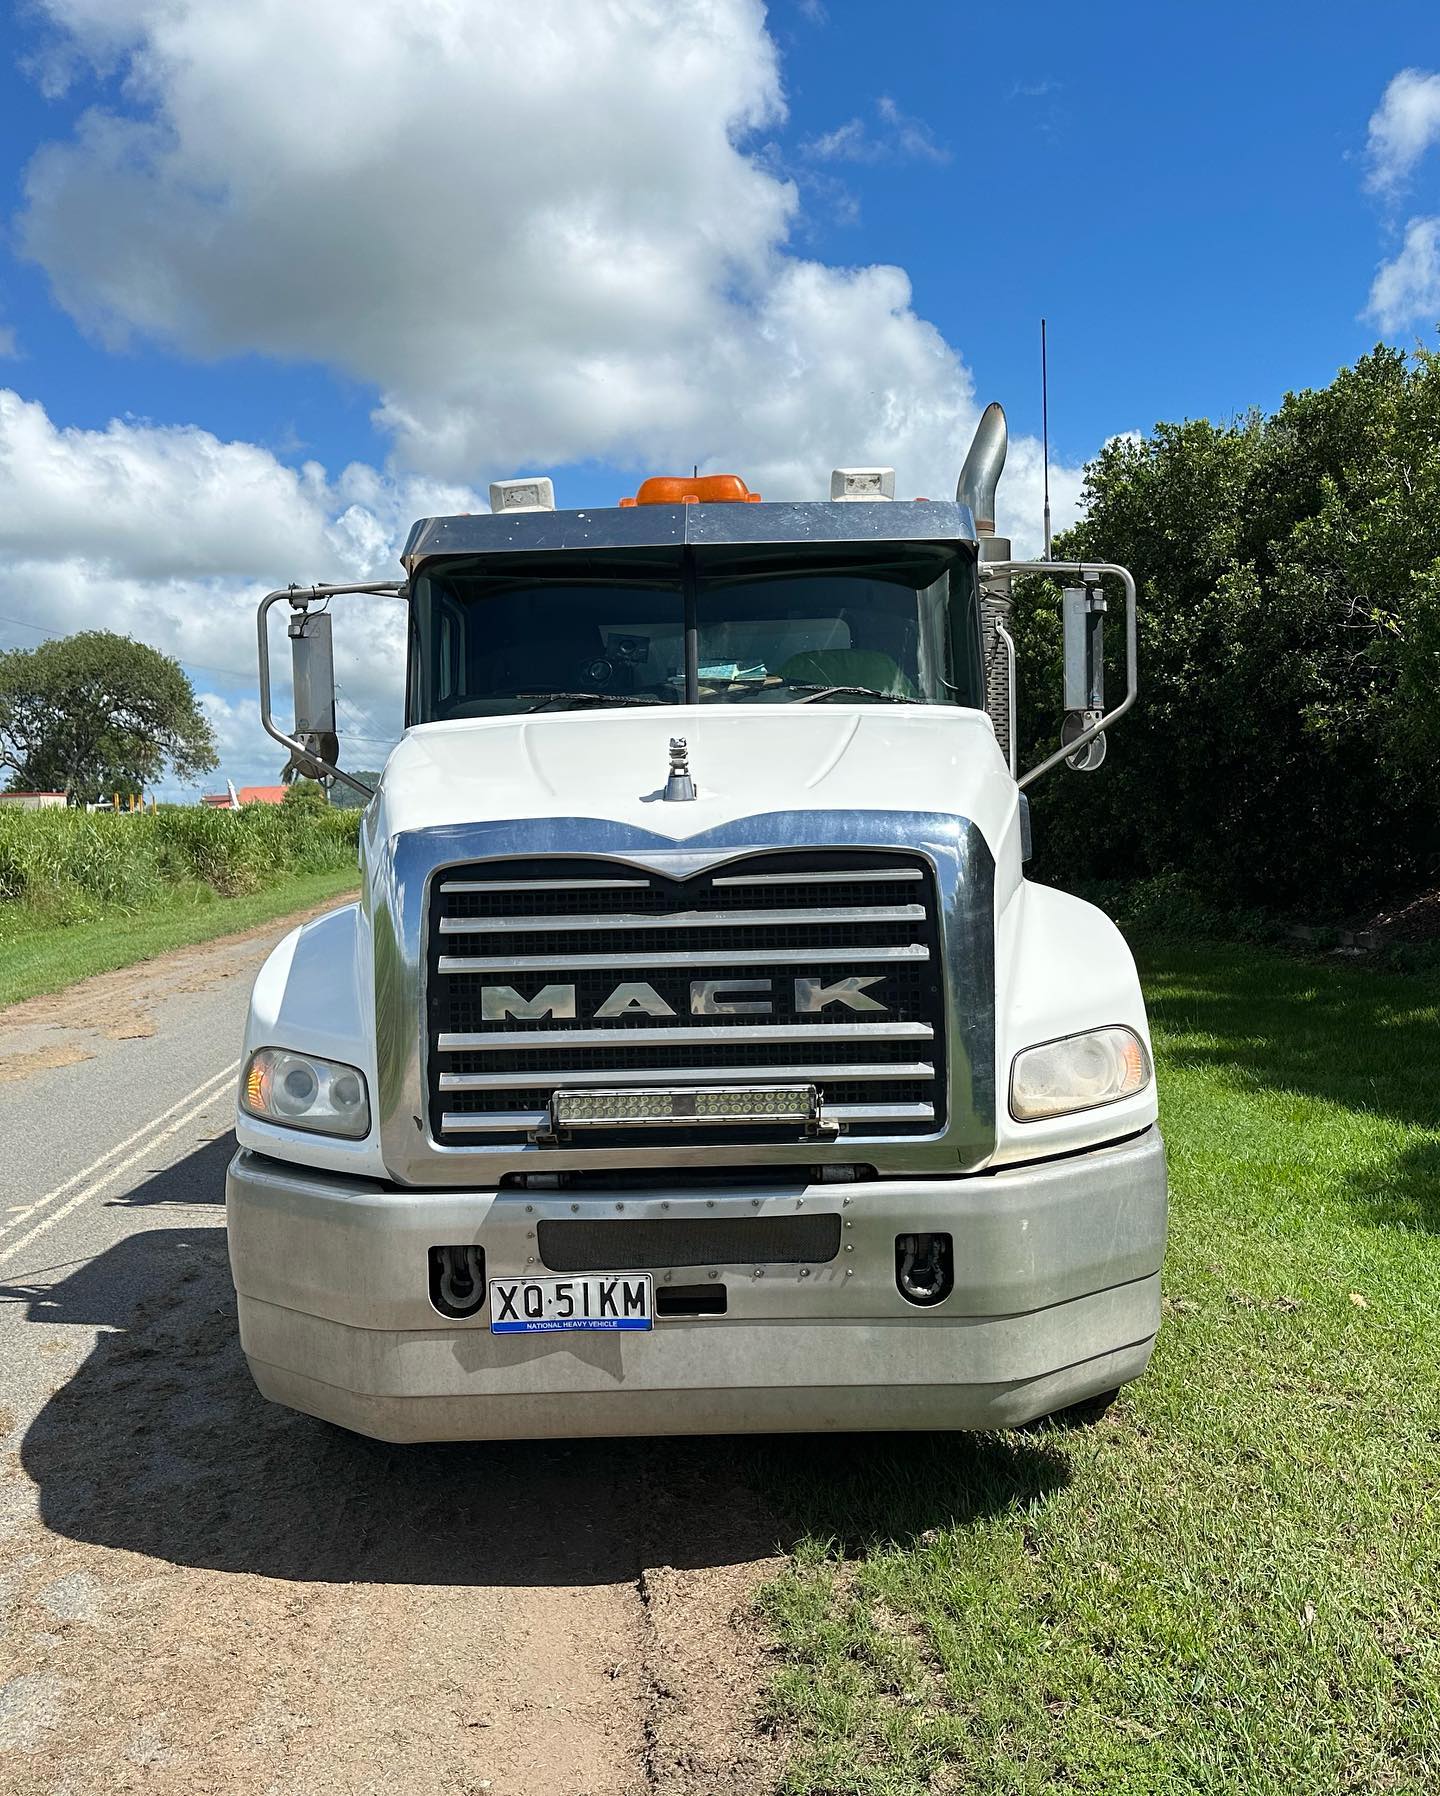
(684, 1106)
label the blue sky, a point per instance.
(1181, 185)
(644, 222)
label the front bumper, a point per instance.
(1056, 1299)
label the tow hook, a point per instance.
(924, 1268)
(457, 1280)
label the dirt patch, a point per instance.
(1416, 920)
(136, 1027)
(39, 1060)
(236, 1598)
(708, 1664)
(119, 1006)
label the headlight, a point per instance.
(304, 1092)
(1077, 1073)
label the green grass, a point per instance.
(39, 956)
(83, 894)
(67, 866)
(1229, 1584)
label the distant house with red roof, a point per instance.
(236, 798)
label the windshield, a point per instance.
(893, 624)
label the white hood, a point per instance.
(746, 761)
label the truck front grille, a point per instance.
(586, 972)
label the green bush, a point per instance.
(1281, 756)
(1169, 908)
(306, 795)
(68, 866)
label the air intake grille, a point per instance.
(605, 1245)
(820, 967)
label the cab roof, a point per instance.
(687, 526)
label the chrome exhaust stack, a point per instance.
(982, 470)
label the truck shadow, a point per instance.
(160, 1445)
(203, 1180)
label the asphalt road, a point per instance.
(202, 1592)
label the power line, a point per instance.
(20, 624)
(231, 673)
(359, 710)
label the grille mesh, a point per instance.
(602, 1245)
(582, 910)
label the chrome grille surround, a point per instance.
(949, 852)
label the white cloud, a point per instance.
(899, 139)
(1406, 289)
(1403, 127)
(171, 536)
(849, 142)
(522, 232)
(154, 501)
(541, 242)
(912, 137)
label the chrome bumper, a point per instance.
(1056, 1299)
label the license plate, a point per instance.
(602, 1301)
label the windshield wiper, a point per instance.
(589, 698)
(819, 692)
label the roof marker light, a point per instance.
(533, 493)
(862, 483)
(704, 489)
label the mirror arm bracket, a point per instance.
(1089, 573)
(300, 598)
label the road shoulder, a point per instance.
(40, 961)
(57, 1028)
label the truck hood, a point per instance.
(746, 761)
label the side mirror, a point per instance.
(1082, 611)
(312, 658)
(1083, 615)
(315, 745)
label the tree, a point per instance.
(305, 795)
(346, 798)
(98, 713)
(1283, 747)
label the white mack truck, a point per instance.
(698, 1057)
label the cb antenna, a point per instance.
(1045, 428)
